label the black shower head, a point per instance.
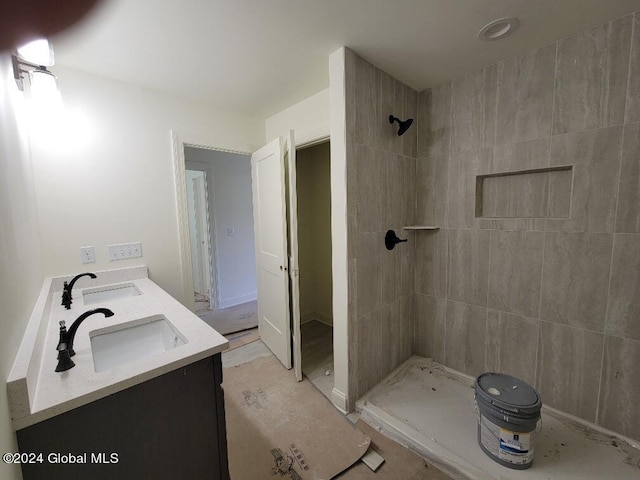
(404, 126)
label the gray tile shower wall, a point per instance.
(591, 77)
(568, 368)
(381, 186)
(628, 213)
(529, 76)
(619, 386)
(632, 107)
(553, 296)
(510, 348)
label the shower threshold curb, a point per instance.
(428, 448)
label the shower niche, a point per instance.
(535, 193)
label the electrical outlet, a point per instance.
(123, 251)
(231, 232)
(88, 254)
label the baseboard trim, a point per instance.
(237, 300)
(339, 400)
(307, 317)
(317, 316)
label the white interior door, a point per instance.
(294, 273)
(270, 225)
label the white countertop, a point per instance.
(36, 392)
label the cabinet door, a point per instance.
(164, 428)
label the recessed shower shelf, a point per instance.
(420, 227)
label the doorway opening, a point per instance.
(221, 238)
(313, 186)
(319, 363)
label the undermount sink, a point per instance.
(112, 292)
(132, 341)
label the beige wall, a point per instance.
(309, 118)
(104, 175)
(20, 272)
(314, 231)
(380, 196)
(342, 393)
(554, 301)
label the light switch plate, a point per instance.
(122, 251)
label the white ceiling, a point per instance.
(258, 57)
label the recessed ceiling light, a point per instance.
(498, 28)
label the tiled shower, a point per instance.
(531, 169)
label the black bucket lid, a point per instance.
(507, 393)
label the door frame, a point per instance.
(180, 140)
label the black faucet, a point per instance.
(65, 344)
(66, 290)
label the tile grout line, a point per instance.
(544, 231)
(495, 116)
(491, 166)
(604, 336)
(606, 313)
(615, 221)
(624, 123)
(539, 316)
(415, 203)
(626, 93)
(446, 222)
(553, 99)
(415, 339)
(487, 309)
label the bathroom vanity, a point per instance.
(144, 399)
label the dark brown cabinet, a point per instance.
(171, 426)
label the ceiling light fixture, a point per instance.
(38, 51)
(498, 28)
(33, 59)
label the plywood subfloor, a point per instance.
(317, 355)
(429, 408)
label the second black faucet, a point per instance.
(67, 298)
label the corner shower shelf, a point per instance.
(421, 227)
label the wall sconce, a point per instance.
(33, 59)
